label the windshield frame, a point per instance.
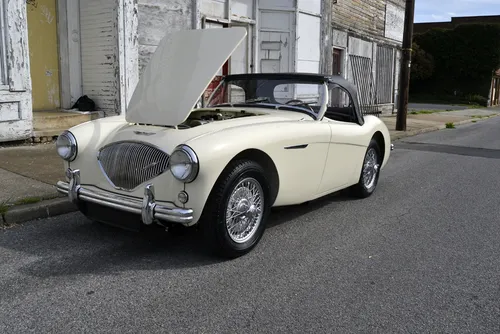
(274, 82)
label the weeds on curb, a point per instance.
(450, 125)
(28, 200)
(3, 208)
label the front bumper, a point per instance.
(147, 207)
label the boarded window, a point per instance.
(385, 71)
(3, 49)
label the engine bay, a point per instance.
(205, 116)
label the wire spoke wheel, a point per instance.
(370, 168)
(244, 210)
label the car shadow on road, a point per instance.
(76, 246)
(284, 214)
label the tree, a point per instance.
(422, 63)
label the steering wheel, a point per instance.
(299, 102)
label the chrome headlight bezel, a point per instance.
(70, 142)
(189, 157)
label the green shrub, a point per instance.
(460, 61)
(476, 98)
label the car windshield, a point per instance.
(289, 94)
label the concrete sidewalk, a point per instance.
(28, 173)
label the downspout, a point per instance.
(196, 14)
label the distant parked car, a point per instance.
(262, 140)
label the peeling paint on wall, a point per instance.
(47, 14)
(156, 19)
(18, 81)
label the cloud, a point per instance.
(443, 10)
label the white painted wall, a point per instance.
(394, 22)
(276, 41)
(242, 9)
(277, 4)
(308, 43)
(310, 6)
(3, 49)
(70, 65)
(99, 50)
(360, 47)
(155, 19)
(241, 59)
(308, 51)
(214, 8)
(16, 116)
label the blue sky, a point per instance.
(443, 10)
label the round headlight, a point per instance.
(66, 146)
(184, 164)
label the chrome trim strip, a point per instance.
(296, 147)
(146, 207)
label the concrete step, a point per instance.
(50, 121)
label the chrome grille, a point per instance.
(128, 164)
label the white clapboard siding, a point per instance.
(99, 51)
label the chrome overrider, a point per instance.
(147, 207)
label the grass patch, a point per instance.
(474, 121)
(471, 101)
(474, 106)
(28, 200)
(3, 208)
(423, 112)
(450, 125)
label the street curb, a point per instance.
(41, 210)
(403, 134)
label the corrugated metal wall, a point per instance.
(99, 50)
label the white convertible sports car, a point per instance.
(260, 140)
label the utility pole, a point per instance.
(404, 82)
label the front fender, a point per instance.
(299, 170)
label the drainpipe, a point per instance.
(196, 16)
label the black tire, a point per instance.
(362, 189)
(213, 220)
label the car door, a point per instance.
(345, 156)
(347, 145)
(300, 158)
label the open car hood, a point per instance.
(181, 68)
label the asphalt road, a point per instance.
(421, 255)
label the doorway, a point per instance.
(337, 62)
(43, 54)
